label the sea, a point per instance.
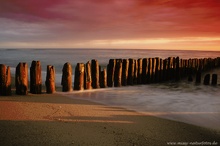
(182, 101)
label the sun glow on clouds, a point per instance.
(154, 24)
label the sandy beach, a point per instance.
(58, 120)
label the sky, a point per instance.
(128, 24)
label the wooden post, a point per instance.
(177, 68)
(135, 72)
(95, 74)
(21, 79)
(144, 70)
(140, 70)
(125, 66)
(207, 79)
(79, 77)
(67, 77)
(103, 79)
(198, 76)
(88, 76)
(50, 80)
(131, 71)
(153, 70)
(118, 73)
(150, 71)
(157, 69)
(111, 71)
(5, 80)
(165, 67)
(214, 79)
(161, 71)
(35, 78)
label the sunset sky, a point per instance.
(141, 24)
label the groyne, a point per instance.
(119, 72)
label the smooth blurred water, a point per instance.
(182, 101)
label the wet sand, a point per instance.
(58, 120)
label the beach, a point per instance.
(53, 119)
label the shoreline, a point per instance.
(53, 119)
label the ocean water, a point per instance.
(183, 101)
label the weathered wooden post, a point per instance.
(214, 79)
(131, 71)
(5, 80)
(79, 76)
(190, 70)
(110, 73)
(50, 80)
(35, 78)
(125, 66)
(144, 70)
(135, 72)
(177, 68)
(150, 70)
(207, 79)
(165, 67)
(118, 73)
(140, 71)
(88, 76)
(157, 69)
(103, 79)
(21, 79)
(67, 77)
(95, 74)
(153, 70)
(161, 71)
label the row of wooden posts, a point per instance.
(120, 72)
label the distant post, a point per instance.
(214, 79)
(67, 77)
(140, 69)
(50, 80)
(5, 80)
(207, 79)
(21, 79)
(110, 72)
(35, 77)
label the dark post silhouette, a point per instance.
(214, 79)
(21, 79)
(95, 74)
(131, 71)
(140, 71)
(118, 73)
(198, 76)
(5, 80)
(207, 79)
(150, 71)
(35, 78)
(67, 77)
(79, 77)
(50, 80)
(144, 70)
(157, 69)
(110, 73)
(125, 66)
